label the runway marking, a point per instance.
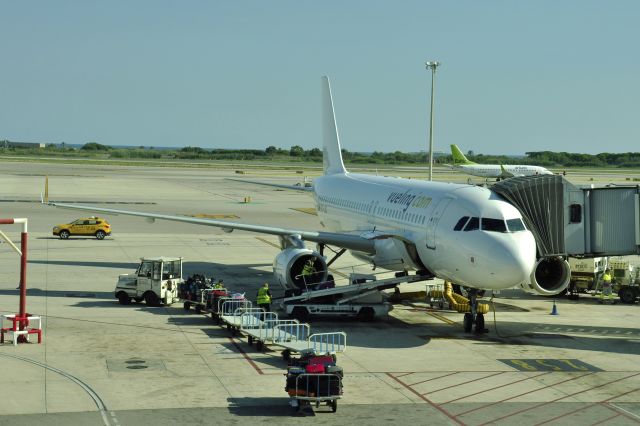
(307, 210)
(564, 365)
(626, 413)
(465, 383)
(427, 400)
(213, 216)
(246, 356)
(557, 399)
(264, 240)
(524, 393)
(496, 387)
(96, 398)
(441, 318)
(433, 378)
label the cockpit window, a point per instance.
(493, 225)
(473, 224)
(515, 225)
(461, 223)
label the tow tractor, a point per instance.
(363, 298)
(155, 281)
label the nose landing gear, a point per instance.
(474, 317)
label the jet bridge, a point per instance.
(577, 221)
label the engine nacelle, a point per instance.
(298, 267)
(550, 276)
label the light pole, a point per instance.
(431, 65)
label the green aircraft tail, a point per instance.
(458, 156)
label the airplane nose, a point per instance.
(515, 267)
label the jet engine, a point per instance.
(299, 267)
(550, 276)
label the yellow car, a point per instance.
(86, 226)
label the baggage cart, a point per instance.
(313, 388)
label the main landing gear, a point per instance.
(474, 317)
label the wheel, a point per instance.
(124, 298)
(100, 234)
(627, 295)
(250, 340)
(151, 299)
(300, 313)
(64, 234)
(198, 309)
(187, 306)
(286, 355)
(479, 323)
(259, 345)
(334, 405)
(467, 323)
(366, 314)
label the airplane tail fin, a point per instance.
(332, 154)
(458, 156)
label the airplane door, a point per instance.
(432, 223)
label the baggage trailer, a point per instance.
(264, 328)
(360, 299)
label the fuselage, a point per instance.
(462, 233)
(496, 170)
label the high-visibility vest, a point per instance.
(263, 296)
(606, 277)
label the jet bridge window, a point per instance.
(493, 225)
(463, 220)
(474, 223)
(575, 213)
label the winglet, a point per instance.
(332, 154)
(504, 173)
(458, 156)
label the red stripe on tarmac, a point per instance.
(584, 407)
(427, 400)
(433, 378)
(246, 356)
(496, 387)
(605, 420)
(464, 383)
(558, 399)
(525, 393)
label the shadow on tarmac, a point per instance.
(269, 407)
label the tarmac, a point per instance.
(101, 363)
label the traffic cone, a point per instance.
(554, 310)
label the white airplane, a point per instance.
(498, 171)
(462, 233)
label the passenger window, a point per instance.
(493, 225)
(474, 223)
(461, 223)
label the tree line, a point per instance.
(314, 155)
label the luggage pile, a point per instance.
(192, 288)
(314, 378)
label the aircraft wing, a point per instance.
(348, 241)
(275, 185)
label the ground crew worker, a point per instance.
(264, 298)
(607, 292)
(219, 284)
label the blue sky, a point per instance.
(516, 76)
